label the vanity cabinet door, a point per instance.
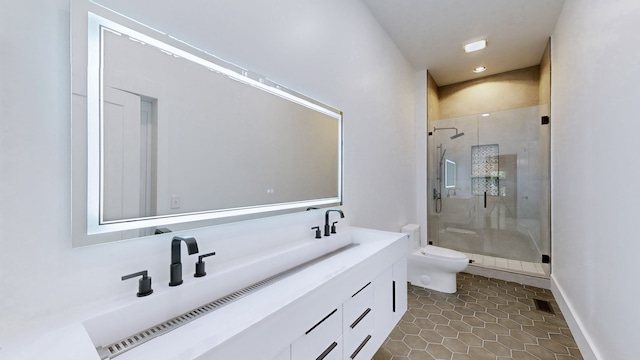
(384, 293)
(321, 340)
(399, 301)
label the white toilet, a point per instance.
(432, 267)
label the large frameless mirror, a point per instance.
(165, 135)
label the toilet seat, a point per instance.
(441, 253)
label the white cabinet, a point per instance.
(399, 274)
(357, 327)
(319, 341)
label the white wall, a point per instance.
(595, 171)
(331, 50)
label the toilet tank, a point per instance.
(413, 230)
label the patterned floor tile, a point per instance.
(486, 319)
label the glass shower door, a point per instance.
(498, 209)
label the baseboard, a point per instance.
(575, 325)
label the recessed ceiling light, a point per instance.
(479, 69)
(475, 46)
(485, 115)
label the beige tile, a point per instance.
(439, 351)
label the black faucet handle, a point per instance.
(318, 232)
(144, 284)
(200, 257)
(200, 265)
(333, 227)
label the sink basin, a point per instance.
(328, 257)
(134, 340)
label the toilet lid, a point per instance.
(442, 252)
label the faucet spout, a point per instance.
(176, 264)
(326, 220)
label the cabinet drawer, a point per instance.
(355, 336)
(332, 352)
(358, 303)
(319, 338)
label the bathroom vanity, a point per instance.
(345, 296)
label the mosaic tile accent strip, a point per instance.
(481, 184)
(486, 319)
(485, 169)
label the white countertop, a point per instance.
(306, 295)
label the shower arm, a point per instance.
(446, 128)
(457, 135)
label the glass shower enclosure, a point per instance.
(490, 188)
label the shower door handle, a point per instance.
(485, 199)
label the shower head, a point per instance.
(457, 135)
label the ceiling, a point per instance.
(431, 33)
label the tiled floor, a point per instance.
(508, 264)
(485, 319)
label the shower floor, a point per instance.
(497, 243)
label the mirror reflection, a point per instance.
(176, 135)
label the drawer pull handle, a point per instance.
(355, 353)
(320, 322)
(360, 318)
(327, 351)
(354, 295)
(393, 294)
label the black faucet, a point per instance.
(176, 265)
(327, 228)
